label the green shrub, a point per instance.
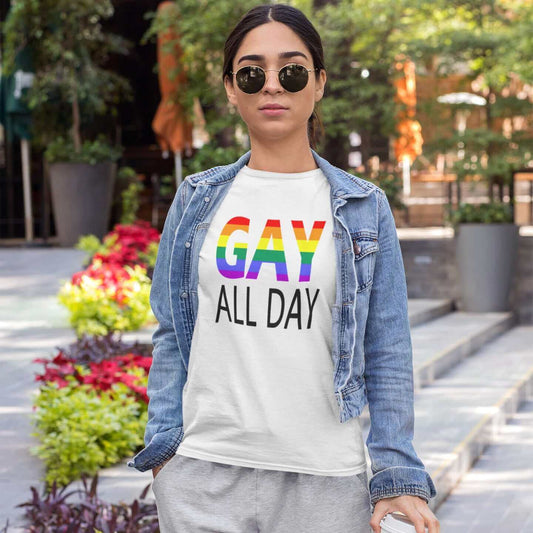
(107, 298)
(487, 213)
(82, 430)
(92, 152)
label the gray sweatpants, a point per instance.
(194, 495)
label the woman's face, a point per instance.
(268, 41)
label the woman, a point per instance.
(282, 305)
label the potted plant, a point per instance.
(486, 235)
(72, 99)
(486, 250)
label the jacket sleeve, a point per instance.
(396, 468)
(164, 430)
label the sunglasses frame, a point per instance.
(265, 70)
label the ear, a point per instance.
(320, 84)
(230, 90)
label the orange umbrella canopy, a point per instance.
(409, 142)
(171, 127)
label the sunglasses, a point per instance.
(292, 77)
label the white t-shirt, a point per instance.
(259, 390)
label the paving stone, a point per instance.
(496, 495)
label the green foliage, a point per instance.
(490, 43)
(69, 49)
(130, 195)
(62, 150)
(126, 173)
(167, 186)
(211, 155)
(391, 183)
(489, 213)
(360, 42)
(96, 308)
(81, 430)
(90, 244)
(130, 202)
(149, 257)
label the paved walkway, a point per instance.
(495, 496)
(32, 324)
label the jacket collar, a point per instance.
(343, 184)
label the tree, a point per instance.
(492, 39)
(69, 50)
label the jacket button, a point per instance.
(184, 294)
(206, 199)
(356, 248)
(187, 244)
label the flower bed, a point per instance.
(127, 244)
(91, 409)
(106, 298)
(113, 292)
(55, 510)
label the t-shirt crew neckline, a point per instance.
(281, 175)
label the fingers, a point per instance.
(418, 521)
(430, 520)
(380, 510)
(416, 509)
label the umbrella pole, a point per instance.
(406, 174)
(26, 184)
(177, 167)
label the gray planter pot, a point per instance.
(81, 199)
(486, 260)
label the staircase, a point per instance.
(473, 372)
(473, 375)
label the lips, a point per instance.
(272, 106)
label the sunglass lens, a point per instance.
(293, 77)
(250, 79)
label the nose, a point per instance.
(272, 84)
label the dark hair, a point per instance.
(301, 25)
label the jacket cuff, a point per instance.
(400, 480)
(163, 446)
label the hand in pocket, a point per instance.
(156, 469)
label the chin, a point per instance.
(272, 127)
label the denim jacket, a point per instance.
(371, 349)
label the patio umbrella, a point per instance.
(408, 144)
(462, 101)
(173, 131)
(15, 116)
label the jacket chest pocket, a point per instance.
(365, 247)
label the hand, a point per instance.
(414, 507)
(156, 469)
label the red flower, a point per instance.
(130, 241)
(101, 376)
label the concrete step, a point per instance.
(425, 309)
(461, 412)
(442, 343)
(496, 495)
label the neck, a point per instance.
(281, 155)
